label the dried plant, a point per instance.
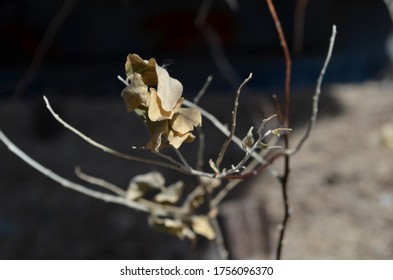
(156, 97)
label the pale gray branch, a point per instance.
(233, 126)
(317, 93)
(203, 89)
(224, 130)
(65, 182)
(106, 149)
(100, 182)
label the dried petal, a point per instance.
(141, 184)
(156, 112)
(195, 199)
(168, 89)
(248, 141)
(201, 225)
(136, 93)
(210, 183)
(176, 139)
(172, 194)
(157, 130)
(172, 227)
(147, 69)
(185, 120)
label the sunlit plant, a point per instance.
(156, 97)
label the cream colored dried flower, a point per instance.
(156, 98)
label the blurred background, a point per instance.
(72, 51)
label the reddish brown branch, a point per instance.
(284, 179)
(277, 107)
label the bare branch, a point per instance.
(140, 205)
(233, 4)
(233, 126)
(298, 27)
(213, 40)
(222, 251)
(317, 94)
(43, 47)
(285, 177)
(203, 89)
(65, 182)
(221, 127)
(100, 182)
(288, 60)
(203, 11)
(182, 158)
(106, 149)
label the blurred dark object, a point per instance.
(89, 49)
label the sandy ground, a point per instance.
(341, 185)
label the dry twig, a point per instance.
(233, 126)
(43, 47)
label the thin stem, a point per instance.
(284, 181)
(288, 60)
(278, 108)
(140, 205)
(221, 127)
(222, 251)
(65, 182)
(214, 42)
(202, 14)
(182, 159)
(100, 182)
(201, 149)
(203, 89)
(298, 29)
(43, 47)
(233, 126)
(317, 94)
(106, 149)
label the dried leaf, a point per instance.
(185, 120)
(195, 199)
(277, 132)
(136, 94)
(157, 130)
(175, 139)
(141, 184)
(262, 145)
(210, 183)
(168, 89)
(201, 225)
(172, 227)
(172, 194)
(248, 141)
(147, 69)
(156, 112)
